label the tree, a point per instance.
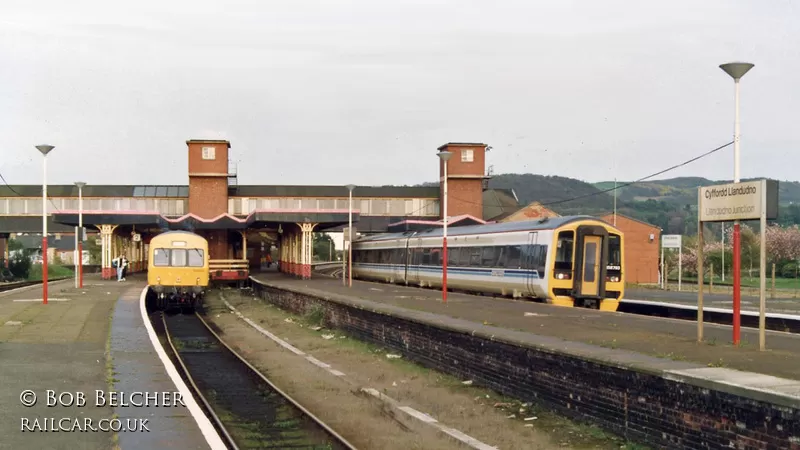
(324, 250)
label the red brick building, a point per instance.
(641, 248)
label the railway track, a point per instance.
(20, 284)
(245, 407)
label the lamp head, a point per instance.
(80, 184)
(736, 69)
(350, 187)
(445, 155)
(45, 149)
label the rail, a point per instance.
(202, 335)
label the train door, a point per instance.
(529, 262)
(590, 277)
(414, 258)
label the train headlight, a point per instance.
(158, 280)
(613, 278)
(563, 276)
(198, 280)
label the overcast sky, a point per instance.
(337, 92)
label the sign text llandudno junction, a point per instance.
(739, 201)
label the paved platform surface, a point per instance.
(672, 340)
(784, 303)
(138, 369)
(61, 347)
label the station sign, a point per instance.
(671, 241)
(738, 201)
(349, 234)
(137, 237)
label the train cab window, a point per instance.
(453, 255)
(614, 251)
(195, 257)
(564, 249)
(489, 257)
(160, 257)
(513, 261)
(177, 258)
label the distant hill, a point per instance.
(670, 204)
(681, 191)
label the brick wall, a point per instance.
(464, 197)
(208, 196)
(642, 407)
(641, 254)
(217, 243)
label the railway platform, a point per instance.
(62, 347)
(672, 340)
(785, 302)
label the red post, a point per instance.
(444, 270)
(737, 273)
(80, 264)
(44, 269)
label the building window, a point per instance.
(208, 152)
(467, 155)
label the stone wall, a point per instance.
(644, 407)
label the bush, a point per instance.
(789, 270)
(20, 264)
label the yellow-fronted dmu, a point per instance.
(177, 270)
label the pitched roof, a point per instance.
(611, 214)
(499, 202)
(534, 210)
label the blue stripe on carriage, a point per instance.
(479, 271)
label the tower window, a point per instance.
(208, 152)
(467, 155)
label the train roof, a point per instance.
(506, 227)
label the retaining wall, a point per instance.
(645, 404)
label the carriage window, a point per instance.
(475, 256)
(489, 257)
(501, 258)
(564, 249)
(426, 256)
(436, 257)
(196, 257)
(177, 258)
(514, 257)
(160, 257)
(453, 255)
(463, 258)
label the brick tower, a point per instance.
(208, 188)
(465, 179)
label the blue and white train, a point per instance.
(567, 261)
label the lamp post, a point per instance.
(79, 235)
(44, 149)
(736, 70)
(350, 188)
(444, 156)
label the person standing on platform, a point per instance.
(117, 264)
(124, 261)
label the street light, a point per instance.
(736, 70)
(444, 156)
(350, 188)
(79, 236)
(44, 149)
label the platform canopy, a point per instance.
(255, 220)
